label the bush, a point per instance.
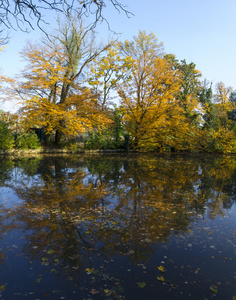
(27, 140)
(6, 138)
(97, 141)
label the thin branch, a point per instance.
(23, 14)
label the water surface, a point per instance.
(117, 227)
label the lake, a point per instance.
(118, 227)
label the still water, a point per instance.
(116, 227)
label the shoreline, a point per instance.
(23, 152)
(58, 151)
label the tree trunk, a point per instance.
(58, 137)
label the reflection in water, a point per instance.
(79, 215)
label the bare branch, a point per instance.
(26, 14)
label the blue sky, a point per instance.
(200, 31)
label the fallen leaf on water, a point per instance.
(161, 278)
(89, 271)
(38, 280)
(53, 270)
(141, 284)
(161, 268)
(94, 292)
(213, 289)
(44, 259)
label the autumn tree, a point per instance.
(223, 103)
(150, 102)
(107, 71)
(52, 88)
(143, 50)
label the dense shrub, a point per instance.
(6, 138)
(99, 141)
(27, 140)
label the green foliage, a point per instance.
(232, 97)
(6, 137)
(97, 140)
(190, 78)
(232, 115)
(27, 140)
(205, 97)
(73, 144)
(112, 138)
(118, 130)
(205, 94)
(189, 75)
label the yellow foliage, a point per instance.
(154, 115)
(221, 112)
(77, 115)
(53, 99)
(106, 72)
(222, 140)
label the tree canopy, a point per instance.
(52, 83)
(118, 95)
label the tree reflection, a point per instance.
(6, 167)
(73, 209)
